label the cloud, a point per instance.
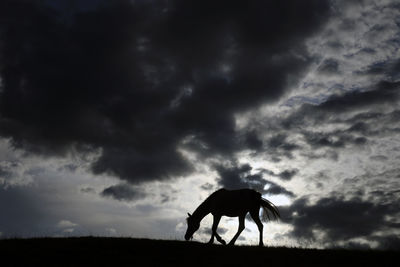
(379, 158)
(252, 141)
(111, 231)
(383, 93)
(285, 175)
(329, 67)
(4, 173)
(207, 187)
(88, 190)
(338, 219)
(288, 174)
(66, 224)
(388, 242)
(279, 146)
(341, 121)
(131, 81)
(12, 173)
(239, 176)
(123, 192)
(208, 231)
(275, 189)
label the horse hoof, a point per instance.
(223, 242)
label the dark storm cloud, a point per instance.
(252, 141)
(133, 80)
(207, 187)
(285, 175)
(339, 219)
(337, 139)
(238, 177)
(278, 142)
(355, 119)
(383, 93)
(275, 189)
(278, 146)
(123, 192)
(328, 67)
(363, 123)
(389, 242)
(234, 177)
(366, 123)
(288, 174)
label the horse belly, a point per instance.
(234, 211)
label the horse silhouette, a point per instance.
(232, 203)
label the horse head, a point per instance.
(193, 226)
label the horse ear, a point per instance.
(189, 214)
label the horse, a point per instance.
(232, 203)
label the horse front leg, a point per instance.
(216, 220)
(240, 229)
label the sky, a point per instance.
(119, 117)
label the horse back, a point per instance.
(234, 202)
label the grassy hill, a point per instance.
(98, 251)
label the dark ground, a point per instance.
(97, 251)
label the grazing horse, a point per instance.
(232, 203)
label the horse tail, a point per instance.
(268, 207)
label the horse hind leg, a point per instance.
(256, 218)
(240, 229)
(219, 239)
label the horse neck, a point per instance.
(201, 211)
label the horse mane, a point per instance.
(203, 205)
